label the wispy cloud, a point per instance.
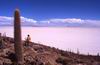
(67, 20)
(74, 22)
(4, 20)
(23, 19)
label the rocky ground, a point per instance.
(38, 54)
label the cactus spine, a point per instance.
(17, 38)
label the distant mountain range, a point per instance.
(67, 22)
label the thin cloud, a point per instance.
(9, 20)
(4, 20)
(23, 19)
(67, 20)
(73, 22)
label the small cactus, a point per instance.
(78, 52)
(17, 38)
(2, 46)
(0, 35)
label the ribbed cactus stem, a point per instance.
(17, 38)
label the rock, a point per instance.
(7, 61)
(1, 61)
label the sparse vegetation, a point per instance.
(47, 56)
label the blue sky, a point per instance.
(43, 10)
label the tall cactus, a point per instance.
(17, 38)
